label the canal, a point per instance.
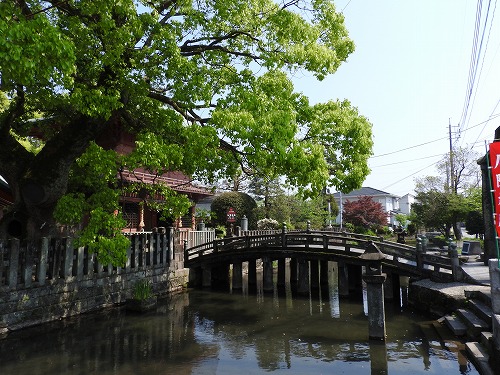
(206, 332)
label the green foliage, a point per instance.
(70, 209)
(349, 227)
(402, 219)
(474, 223)
(204, 87)
(143, 290)
(242, 203)
(439, 210)
(293, 209)
(203, 214)
(220, 231)
(102, 235)
(411, 228)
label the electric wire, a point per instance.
(482, 62)
(472, 63)
(492, 117)
(408, 176)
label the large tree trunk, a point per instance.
(39, 181)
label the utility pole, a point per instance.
(452, 187)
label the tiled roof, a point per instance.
(5, 194)
(179, 185)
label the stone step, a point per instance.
(486, 340)
(455, 325)
(448, 339)
(431, 335)
(480, 295)
(474, 324)
(479, 356)
(481, 310)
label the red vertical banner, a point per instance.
(495, 181)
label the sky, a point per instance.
(411, 76)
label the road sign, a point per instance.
(231, 215)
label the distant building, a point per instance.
(405, 203)
(391, 203)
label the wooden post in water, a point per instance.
(293, 271)
(343, 279)
(267, 274)
(237, 276)
(252, 272)
(206, 277)
(323, 274)
(281, 273)
(374, 279)
(303, 280)
(314, 274)
(389, 287)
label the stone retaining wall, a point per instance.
(60, 282)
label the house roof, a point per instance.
(5, 194)
(178, 184)
(364, 191)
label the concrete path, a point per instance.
(477, 271)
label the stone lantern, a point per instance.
(373, 257)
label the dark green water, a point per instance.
(202, 332)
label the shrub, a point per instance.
(143, 290)
(242, 203)
(268, 224)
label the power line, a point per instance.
(472, 64)
(346, 6)
(408, 148)
(484, 55)
(406, 161)
(492, 117)
(404, 178)
(486, 122)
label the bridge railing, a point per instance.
(396, 254)
(307, 239)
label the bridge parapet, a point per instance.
(323, 245)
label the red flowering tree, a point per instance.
(364, 213)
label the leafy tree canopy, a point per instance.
(365, 213)
(203, 85)
(444, 201)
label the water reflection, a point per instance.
(203, 332)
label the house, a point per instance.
(139, 217)
(405, 203)
(390, 202)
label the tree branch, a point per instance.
(25, 9)
(185, 112)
